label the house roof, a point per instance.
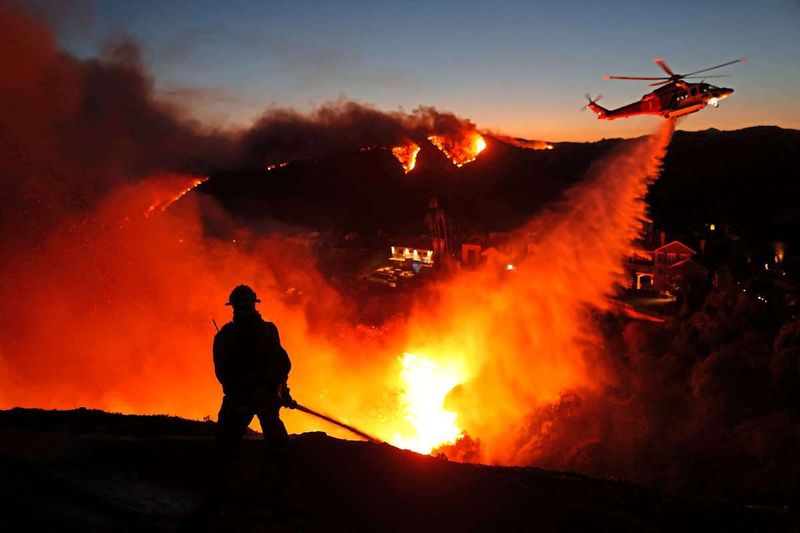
(675, 247)
(494, 253)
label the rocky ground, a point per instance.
(86, 470)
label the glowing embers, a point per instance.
(407, 155)
(273, 166)
(165, 200)
(426, 385)
(462, 149)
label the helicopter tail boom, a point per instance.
(597, 109)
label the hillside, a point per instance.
(88, 470)
(711, 175)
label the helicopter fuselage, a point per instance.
(672, 100)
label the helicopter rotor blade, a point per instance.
(716, 67)
(656, 84)
(706, 77)
(663, 64)
(633, 78)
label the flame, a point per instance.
(407, 155)
(426, 385)
(460, 150)
(163, 202)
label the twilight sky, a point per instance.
(519, 67)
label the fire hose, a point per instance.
(335, 422)
(326, 418)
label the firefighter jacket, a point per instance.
(249, 360)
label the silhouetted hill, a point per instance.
(747, 178)
(87, 470)
(364, 191)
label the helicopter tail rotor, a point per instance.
(591, 101)
(600, 111)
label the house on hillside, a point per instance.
(416, 252)
(665, 267)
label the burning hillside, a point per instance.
(337, 126)
(406, 154)
(163, 203)
(461, 150)
(114, 282)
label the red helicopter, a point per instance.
(674, 98)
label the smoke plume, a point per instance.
(283, 134)
(73, 130)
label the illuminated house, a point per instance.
(414, 253)
(664, 267)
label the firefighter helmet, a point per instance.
(242, 295)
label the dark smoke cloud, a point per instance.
(283, 133)
(98, 117)
(71, 130)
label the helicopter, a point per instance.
(674, 98)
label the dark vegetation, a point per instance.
(706, 405)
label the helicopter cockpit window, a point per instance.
(694, 91)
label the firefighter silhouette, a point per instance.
(252, 367)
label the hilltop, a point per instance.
(744, 177)
(87, 470)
